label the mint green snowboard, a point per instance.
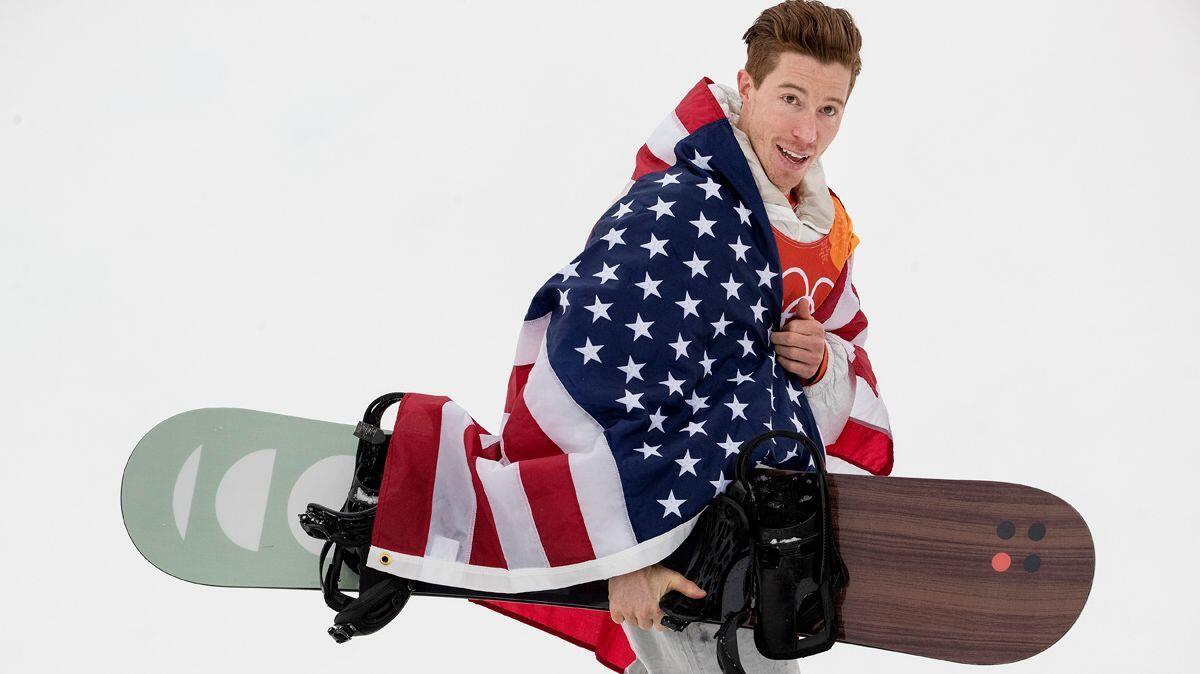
(212, 495)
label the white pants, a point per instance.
(695, 650)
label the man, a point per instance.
(712, 300)
(802, 64)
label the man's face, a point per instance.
(796, 109)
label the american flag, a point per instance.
(641, 366)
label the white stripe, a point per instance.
(516, 579)
(529, 341)
(514, 520)
(593, 468)
(868, 408)
(662, 142)
(860, 339)
(452, 512)
(847, 305)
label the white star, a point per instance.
(614, 237)
(704, 226)
(599, 310)
(747, 345)
(662, 208)
(606, 273)
(689, 305)
(649, 286)
(738, 408)
(743, 213)
(673, 385)
(710, 189)
(720, 483)
(562, 299)
(794, 394)
(739, 250)
(631, 400)
(790, 453)
(697, 402)
(632, 369)
(765, 275)
(701, 162)
(655, 246)
(720, 325)
(590, 351)
(796, 422)
(569, 271)
(695, 427)
(648, 450)
(640, 328)
(687, 464)
(697, 266)
(668, 179)
(623, 209)
(671, 504)
(680, 347)
(730, 446)
(706, 362)
(758, 310)
(731, 289)
(740, 377)
(657, 419)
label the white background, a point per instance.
(296, 206)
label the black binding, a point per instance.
(347, 532)
(767, 550)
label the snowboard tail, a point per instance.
(965, 571)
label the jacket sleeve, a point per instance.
(833, 396)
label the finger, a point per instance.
(617, 617)
(645, 621)
(808, 354)
(680, 583)
(802, 309)
(796, 367)
(807, 327)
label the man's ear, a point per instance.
(744, 83)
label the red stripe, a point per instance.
(865, 447)
(854, 328)
(485, 543)
(406, 493)
(862, 367)
(647, 163)
(551, 493)
(699, 107)
(825, 309)
(523, 437)
(516, 384)
(593, 630)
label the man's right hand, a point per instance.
(634, 597)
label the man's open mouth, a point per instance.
(792, 157)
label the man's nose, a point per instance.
(805, 130)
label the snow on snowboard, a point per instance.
(959, 570)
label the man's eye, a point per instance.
(789, 99)
(830, 110)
